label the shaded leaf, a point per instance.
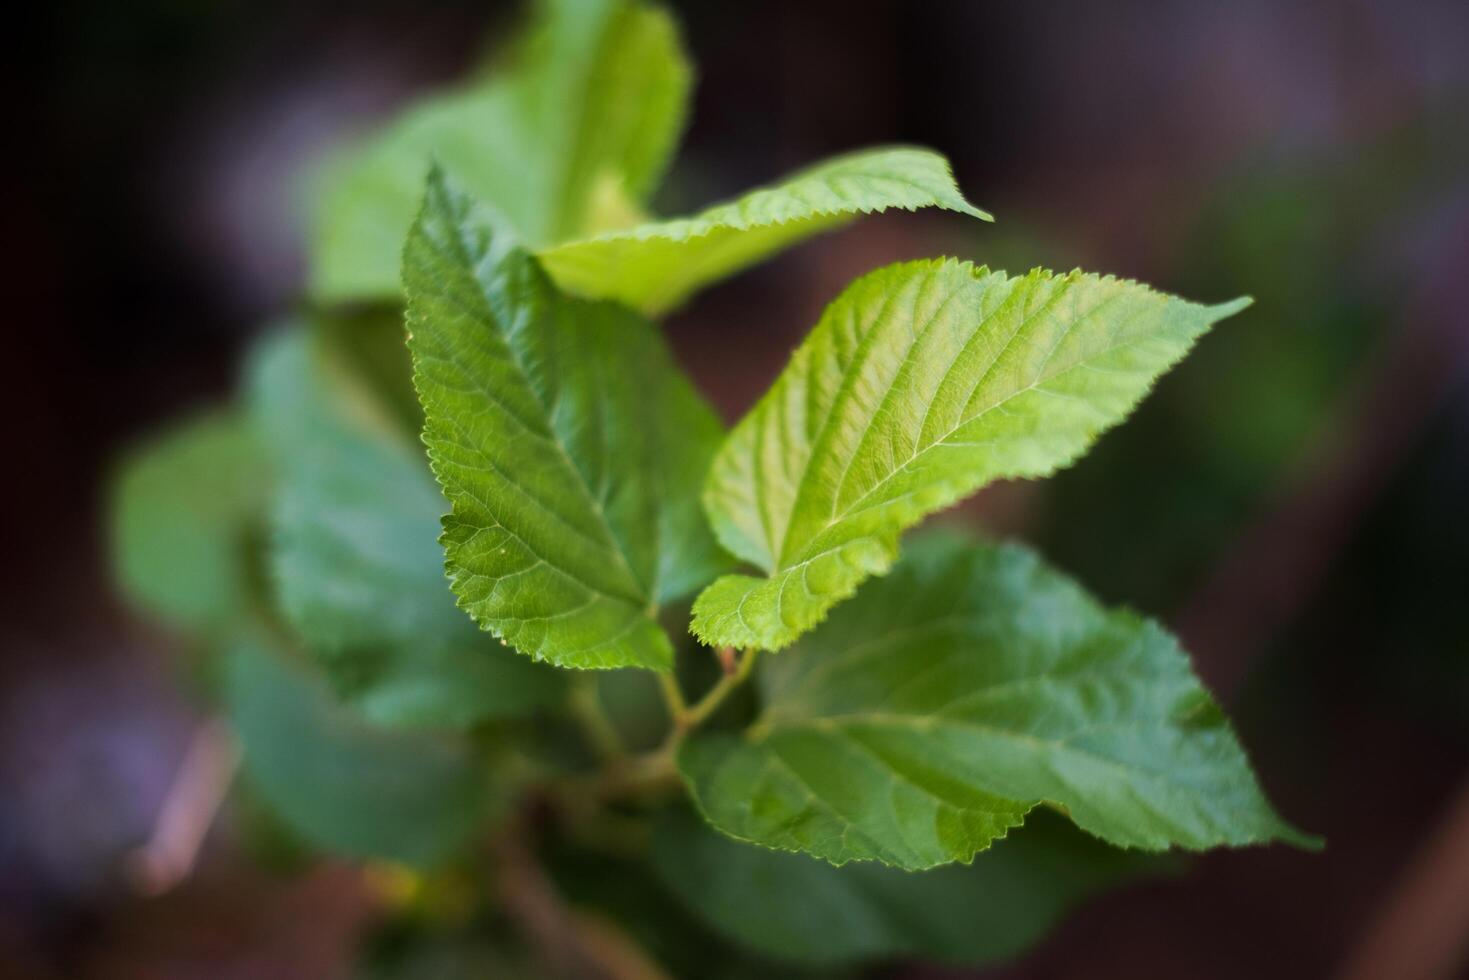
(342, 784)
(357, 569)
(804, 910)
(569, 444)
(972, 684)
(922, 382)
(184, 509)
(655, 266)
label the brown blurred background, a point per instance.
(1293, 499)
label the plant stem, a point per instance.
(696, 715)
(672, 695)
(586, 707)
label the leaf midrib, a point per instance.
(466, 255)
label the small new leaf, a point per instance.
(570, 447)
(923, 382)
(656, 266)
(974, 683)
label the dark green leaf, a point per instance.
(343, 784)
(800, 909)
(969, 686)
(356, 566)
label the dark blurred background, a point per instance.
(1292, 499)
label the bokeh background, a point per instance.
(1292, 499)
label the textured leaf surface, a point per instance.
(356, 565)
(343, 785)
(922, 382)
(655, 266)
(185, 507)
(570, 447)
(588, 110)
(972, 684)
(806, 911)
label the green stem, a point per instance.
(586, 707)
(652, 774)
(672, 695)
(699, 713)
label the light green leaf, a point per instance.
(655, 266)
(969, 686)
(806, 911)
(588, 112)
(342, 784)
(184, 509)
(570, 447)
(923, 382)
(356, 567)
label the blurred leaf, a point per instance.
(923, 382)
(628, 893)
(357, 568)
(655, 266)
(591, 107)
(927, 718)
(804, 910)
(342, 784)
(568, 442)
(183, 510)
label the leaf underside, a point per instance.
(923, 721)
(568, 443)
(656, 266)
(922, 382)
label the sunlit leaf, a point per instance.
(923, 382)
(570, 447)
(655, 266)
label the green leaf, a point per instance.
(807, 911)
(184, 508)
(922, 382)
(357, 571)
(342, 784)
(570, 447)
(655, 266)
(587, 112)
(928, 717)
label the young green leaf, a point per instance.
(589, 110)
(922, 382)
(346, 786)
(570, 447)
(356, 567)
(655, 266)
(183, 510)
(806, 911)
(974, 683)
